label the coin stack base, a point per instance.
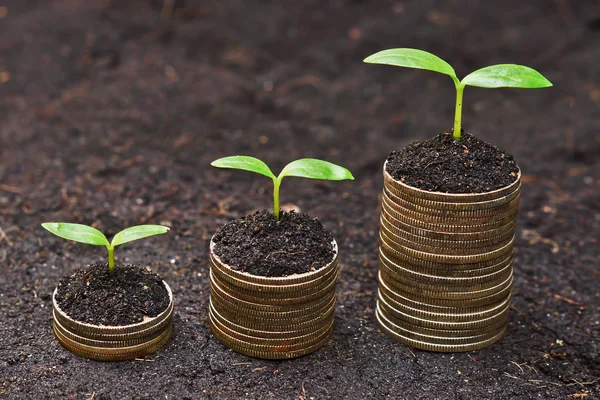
(271, 317)
(113, 343)
(445, 266)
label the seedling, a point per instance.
(87, 234)
(494, 76)
(303, 168)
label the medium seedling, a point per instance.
(494, 76)
(87, 234)
(303, 168)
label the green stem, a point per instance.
(111, 258)
(276, 183)
(458, 111)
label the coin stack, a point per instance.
(113, 343)
(272, 317)
(445, 265)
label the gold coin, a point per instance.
(404, 330)
(111, 342)
(441, 233)
(229, 340)
(439, 267)
(398, 231)
(446, 316)
(114, 354)
(451, 226)
(448, 270)
(237, 317)
(444, 293)
(498, 325)
(303, 296)
(273, 353)
(266, 334)
(451, 197)
(448, 205)
(272, 341)
(223, 274)
(297, 315)
(450, 210)
(462, 306)
(501, 292)
(453, 325)
(300, 308)
(286, 280)
(443, 258)
(445, 248)
(107, 332)
(447, 217)
(447, 348)
(433, 281)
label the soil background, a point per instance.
(111, 111)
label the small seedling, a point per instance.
(303, 168)
(87, 234)
(494, 76)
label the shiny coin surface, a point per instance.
(445, 316)
(447, 348)
(114, 354)
(451, 325)
(478, 301)
(452, 210)
(432, 281)
(441, 292)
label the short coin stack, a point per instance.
(113, 343)
(445, 265)
(271, 317)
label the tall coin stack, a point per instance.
(272, 317)
(445, 265)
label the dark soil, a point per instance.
(261, 245)
(442, 164)
(111, 115)
(125, 296)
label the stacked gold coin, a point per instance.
(113, 343)
(272, 317)
(445, 265)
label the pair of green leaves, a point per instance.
(89, 235)
(494, 76)
(304, 168)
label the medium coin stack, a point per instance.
(272, 317)
(445, 265)
(113, 343)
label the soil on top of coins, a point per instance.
(259, 244)
(443, 164)
(122, 297)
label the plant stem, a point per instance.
(276, 183)
(111, 258)
(458, 111)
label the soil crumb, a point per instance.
(122, 297)
(442, 164)
(260, 245)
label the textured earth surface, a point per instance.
(111, 112)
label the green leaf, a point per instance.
(506, 75)
(412, 58)
(138, 232)
(77, 232)
(244, 163)
(316, 169)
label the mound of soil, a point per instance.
(442, 164)
(122, 297)
(261, 245)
